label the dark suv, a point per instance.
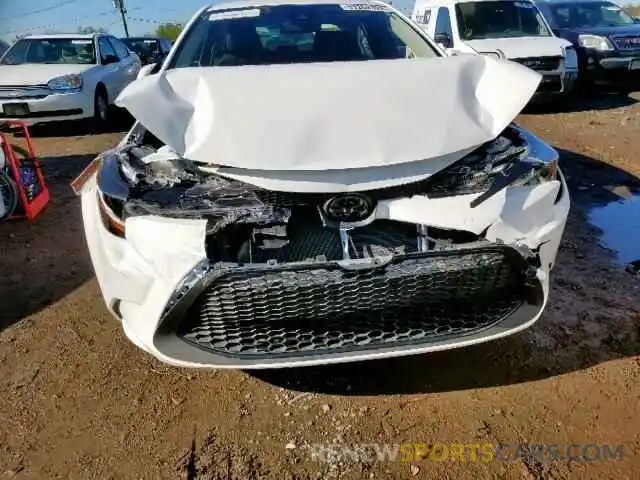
(606, 38)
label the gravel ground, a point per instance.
(79, 401)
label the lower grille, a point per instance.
(540, 63)
(550, 84)
(324, 308)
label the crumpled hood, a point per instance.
(521, 47)
(331, 116)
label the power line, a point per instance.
(41, 10)
(69, 21)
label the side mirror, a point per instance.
(636, 19)
(109, 59)
(444, 39)
(146, 70)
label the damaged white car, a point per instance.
(315, 182)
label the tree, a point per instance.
(89, 30)
(170, 31)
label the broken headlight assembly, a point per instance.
(142, 180)
(131, 183)
(515, 158)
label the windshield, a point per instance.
(147, 47)
(589, 14)
(499, 19)
(299, 33)
(79, 51)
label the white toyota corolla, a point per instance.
(315, 182)
(50, 78)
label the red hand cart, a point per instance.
(22, 176)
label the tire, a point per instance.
(100, 110)
(9, 196)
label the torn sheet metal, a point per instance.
(335, 181)
(331, 116)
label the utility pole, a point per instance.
(119, 5)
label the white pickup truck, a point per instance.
(513, 29)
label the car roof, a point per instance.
(448, 3)
(142, 37)
(80, 36)
(264, 3)
(559, 2)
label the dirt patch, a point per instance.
(79, 401)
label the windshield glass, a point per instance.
(54, 51)
(499, 19)
(143, 46)
(299, 33)
(589, 14)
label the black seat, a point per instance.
(336, 46)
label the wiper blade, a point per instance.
(504, 179)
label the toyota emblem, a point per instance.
(350, 207)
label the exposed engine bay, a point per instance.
(248, 224)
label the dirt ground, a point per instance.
(78, 401)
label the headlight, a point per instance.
(595, 42)
(66, 84)
(112, 214)
(515, 158)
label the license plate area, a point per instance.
(635, 64)
(16, 109)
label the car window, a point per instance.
(443, 22)
(106, 49)
(590, 14)
(146, 48)
(299, 34)
(121, 49)
(500, 19)
(166, 45)
(74, 51)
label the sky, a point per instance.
(38, 16)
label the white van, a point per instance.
(512, 29)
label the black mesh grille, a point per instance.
(540, 63)
(324, 308)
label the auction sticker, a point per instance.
(364, 7)
(233, 14)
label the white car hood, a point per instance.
(36, 74)
(331, 116)
(521, 47)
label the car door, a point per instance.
(111, 68)
(129, 64)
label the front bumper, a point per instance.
(616, 67)
(51, 108)
(554, 84)
(163, 290)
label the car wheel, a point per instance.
(100, 109)
(9, 196)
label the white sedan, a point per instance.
(316, 182)
(48, 78)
